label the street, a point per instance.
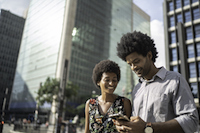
(43, 129)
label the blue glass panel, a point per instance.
(194, 89)
(174, 54)
(190, 49)
(179, 18)
(187, 16)
(171, 6)
(172, 21)
(192, 70)
(196, 14)
(198, 49)
(175, 68)
(197, 30)
(186, 2)
(178, 4)
(188, 33)
(193, 1)
(173, 37)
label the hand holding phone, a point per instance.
(119, 117)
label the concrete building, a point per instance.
(182, 40)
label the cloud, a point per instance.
(157, 33)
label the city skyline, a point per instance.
(152, 7)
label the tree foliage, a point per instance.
(51, 87)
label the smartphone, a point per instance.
(119, 117)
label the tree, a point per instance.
(51, 87)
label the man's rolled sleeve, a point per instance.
(185, 108)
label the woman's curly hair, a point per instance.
(104, 66)
(136, 42)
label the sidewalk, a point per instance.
(9, 129)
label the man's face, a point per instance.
(139, 64)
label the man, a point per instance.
(162, 100)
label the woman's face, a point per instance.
(108, 82)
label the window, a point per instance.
(186, 2)
(174, 54)
(196, 13)
(173, 37)
(178, 4)
(192, 70)
(175, 68)
(172, 21)
(193, 1)
(171, 6)
(198, 49)
(199, 68)
(188, 33)
(197, 30)
(194, 89)
(190, 50)
(179, 18)
(187, 16)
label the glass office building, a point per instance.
(45, 46)
(80, 32)
(11, 29)
(182, 40)
(141, 22)
(121, 23)
(135, 19)
(90, 44)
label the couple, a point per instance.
(162, 101)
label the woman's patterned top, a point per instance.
(102, 123)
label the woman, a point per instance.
(106, 75)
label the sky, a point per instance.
(152, 7)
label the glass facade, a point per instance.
(38, 56)
(185, 51)
(141, 21)
(192, 70)
(197, 30)
(187, 16)
(174, 54)
(178, 4)
(190, 50)
(194, 89)
(196, 13)
(186, 2)
(120, 16)
(170, 6)
(193, 1)
(97, 29)
(172, 23)
(188, 33)
(90, 44)
(11, 30)
(179, 18)
(198, 48)
(175, 68)
(173, 37)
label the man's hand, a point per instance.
(136, 125)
